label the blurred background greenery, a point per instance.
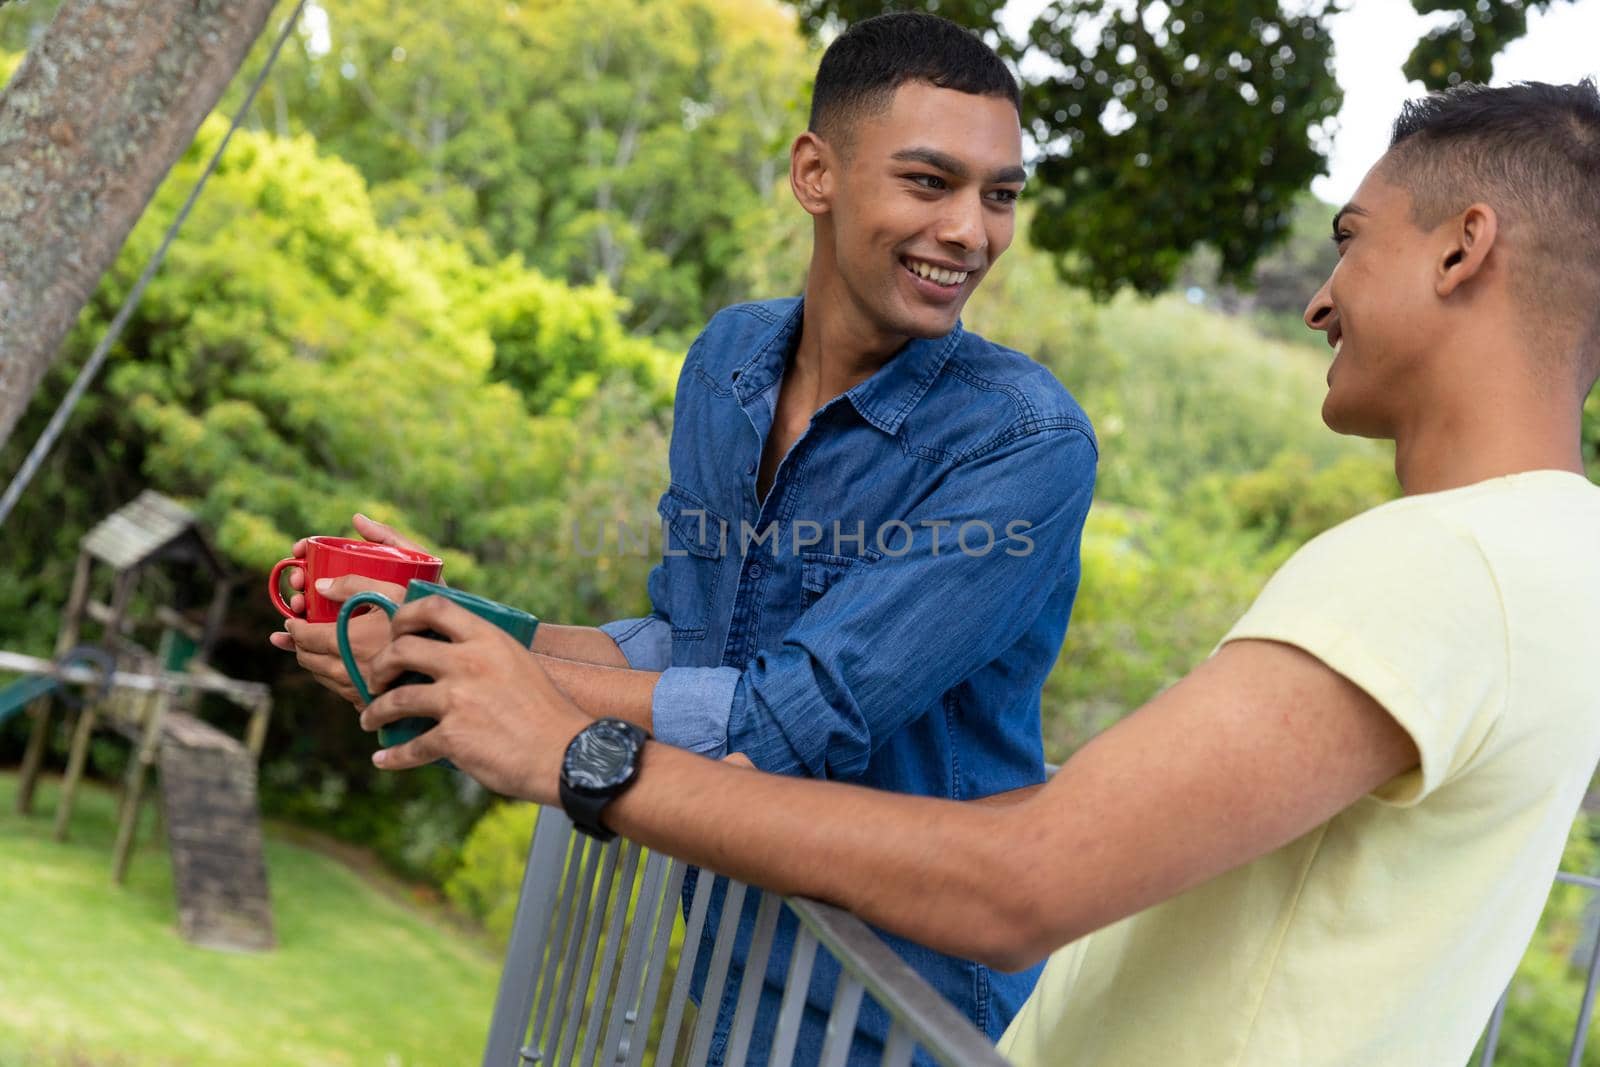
(447, 273)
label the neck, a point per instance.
(1506, 428)
(840, 345)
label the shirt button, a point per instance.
(755, 570)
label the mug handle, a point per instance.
(342, 632)
(272, 585)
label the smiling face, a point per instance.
(1379, 309)
(917, 205)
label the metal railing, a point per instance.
(1580, 1033)
(589, 978)
(584, 981)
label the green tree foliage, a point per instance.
(605, 140)
(1463, 48)
(294, 362)
(1157, 129)
(486, 884)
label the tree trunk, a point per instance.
(103, 105)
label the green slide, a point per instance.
(18, 695)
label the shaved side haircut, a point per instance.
(1532, 152)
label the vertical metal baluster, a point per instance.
(562, 934)
(841, 1022)
(686, 961)
(755, 972)
(614, 935)
(630, 1042)
(569, 954)
(1586, 1013)
(1491, 1037)
(624, 1006)
(897, 1052)
(795, 988)
(531, 933)
(717, 975)
(594, 923)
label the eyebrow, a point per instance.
(1351, 208)
(951, 165)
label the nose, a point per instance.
(1320, 313)
(961, 225)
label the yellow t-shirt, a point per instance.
(1384, 936)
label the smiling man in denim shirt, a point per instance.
(872, 526)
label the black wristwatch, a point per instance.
(600, 764)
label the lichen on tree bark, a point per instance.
(103, 105)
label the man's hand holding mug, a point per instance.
(325, 572)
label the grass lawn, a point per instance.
(92, 975)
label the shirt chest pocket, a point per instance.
(819, 571)
(694, 540)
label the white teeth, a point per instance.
(1338, 346)
(936, 274)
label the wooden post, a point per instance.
(154, 712)
(257, 734)
(66, 639)
(122, 593)
(216, 613)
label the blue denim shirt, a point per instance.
(886, 616)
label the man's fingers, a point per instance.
(346, 586)
(377, 532)
(317, 638)
(408, 652)
(739, 759)
(442, 616)
(297, 604)
(425, 699)
(418, 752)
(299, 549)
(281, 639)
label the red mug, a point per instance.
(330, 557)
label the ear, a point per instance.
(812, 168)
(1471, 236)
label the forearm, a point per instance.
(938, 872)
(1009, 797)
(582, 644)
(602, 691)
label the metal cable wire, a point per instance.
(97, 358)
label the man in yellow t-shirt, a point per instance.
(1329, 843)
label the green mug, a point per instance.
(514, 621)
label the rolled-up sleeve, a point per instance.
(646, 643)
(888, 638)
(691, 707)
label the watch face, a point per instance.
(601, 757)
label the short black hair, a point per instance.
(1532, 152)
(864, 66)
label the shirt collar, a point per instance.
(884, 400)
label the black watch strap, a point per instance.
(585, 805)
(584, 811)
